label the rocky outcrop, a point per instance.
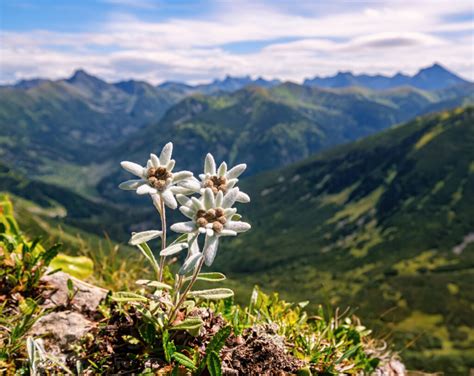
(72, 310)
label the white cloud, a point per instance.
(382, 36)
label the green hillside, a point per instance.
(52, 129)
(383, 225)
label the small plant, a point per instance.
(208, 205)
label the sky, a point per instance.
(197, 41)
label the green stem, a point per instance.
(186, 291)
(163, 239)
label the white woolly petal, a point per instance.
(210, 249)
(133, 168)
(155, 198)
(204, 176)
(176, 189)
(222, 169)
(170, 165)
(182, 199)
(192, 184)
(229, 198)
(237, 226)
(194, 248)
(231, 183)
(202, 230)
(154, 160)
(165, 155)
(131, 185)
(173, 249)
(219, 199)
(197, 204)
(210, 232)
(190, 263)
(149, 164)
(144, 236)
(184, 227)
(182, 175)
(188, 212)
(146, 189)
(169, 199)
(236, 171)
(226, 232)
(242, 197)
(210, 164)
(229, 212)
(209, 201)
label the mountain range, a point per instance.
(431, 78)
(72, 132)
(383, 225)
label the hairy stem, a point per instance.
(186, 291)
(163, 239)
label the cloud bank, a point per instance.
(273, 40)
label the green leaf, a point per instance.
(216, 344)
(209, 277)
(173, 249)
(168, 346)
(180, 239)
(126, 297)
(212, 294)
(188, 324)
(143, 237)
(156, 284)
(218, 340)
(146, 251)
(184, 360)
(214, 364)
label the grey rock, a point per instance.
(61, 328)
(86, 297)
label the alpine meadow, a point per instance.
(184, 191)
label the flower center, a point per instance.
(159, 177)
(216, 183)
(212, 216)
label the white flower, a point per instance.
(218, 179)
(211, 215)
(157, 177)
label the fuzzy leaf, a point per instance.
(126, 297)
(212, 294)
(209, 277)
(173, 249)
(218, 340)
(188, 324)
(214, 364)
(184, 360)
(156, 284)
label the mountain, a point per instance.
(384, 225)
(431, 78)
(228, 84)
(270, 128)
(52, 128)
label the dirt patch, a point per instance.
(259, 351)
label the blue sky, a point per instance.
(195, 41)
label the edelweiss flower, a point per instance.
(218, 179)
(211, 215)
(157, 177)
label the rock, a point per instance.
(393, 368)
(86, 297)
(62, 328)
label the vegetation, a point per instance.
(381, 225)
(151, 333)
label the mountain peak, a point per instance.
(82, 75)
(430, 78)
